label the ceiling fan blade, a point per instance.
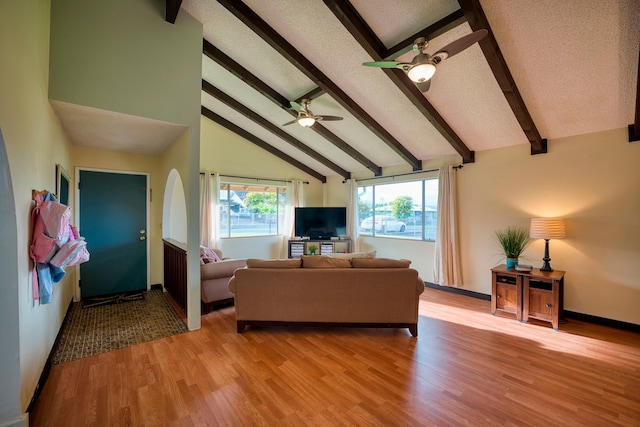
(295, 105)
(328, 118)
(384, 64)
(423, 86)
(291, 122)
(462, 43)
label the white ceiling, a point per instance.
(575, 63)
(108, 130)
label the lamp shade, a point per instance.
(547, 228)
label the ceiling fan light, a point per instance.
(421, 72)
(306, 122)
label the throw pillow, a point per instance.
(324, 262)
(380, 263)
(352, 255)
(274, 263)
(208, 255)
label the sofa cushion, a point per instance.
(324, 262)
(380, 263)
(352, 255)
(274, 263)
(220, 269)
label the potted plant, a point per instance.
(513, 241)
(313, 249)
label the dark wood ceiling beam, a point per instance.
(222, 59)
(172, 7)
(311, 95)
(243, 74)
(634, 128)
(431, 32)
(361, 31)
(260, 143)
(477, 20)
(277, 42)
(276, 130)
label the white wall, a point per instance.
(35, 142)
(591, 180)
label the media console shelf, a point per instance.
(300, 247)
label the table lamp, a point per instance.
(547, 228)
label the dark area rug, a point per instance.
(111, 326)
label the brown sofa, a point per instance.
(214, 281)
(324, 291)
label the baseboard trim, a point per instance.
(458, 291)
(603, 321)
(47, 366)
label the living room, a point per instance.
(590, 179)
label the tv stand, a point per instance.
(301, 247)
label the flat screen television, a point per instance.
(321, 223)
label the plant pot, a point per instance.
(512, 262)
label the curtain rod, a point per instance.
(256, 179)
(403, 174)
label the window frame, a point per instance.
(226, 230)
(424, 208)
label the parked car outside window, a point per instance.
(383, 224)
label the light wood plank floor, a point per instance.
(465, 368)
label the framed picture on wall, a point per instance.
(63, 185)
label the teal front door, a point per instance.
(113, 220)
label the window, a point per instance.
(406, 210)
(249, 210)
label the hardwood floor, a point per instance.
(465, 368)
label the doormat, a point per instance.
(114, 326)
(112, 299)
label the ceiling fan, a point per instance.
(305, 117)
(423, 66)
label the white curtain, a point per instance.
(210, 210)
(447, 271)
(352, 214)
(294, 198)
(206, 225)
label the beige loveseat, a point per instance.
(214, 280)
(322, 291)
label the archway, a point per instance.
(174, 210)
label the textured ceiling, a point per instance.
(574, 62)
(107, 130)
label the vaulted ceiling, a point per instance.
(546, 70)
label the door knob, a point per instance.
(142, 238)
(142, 231)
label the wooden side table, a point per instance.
(528, 295)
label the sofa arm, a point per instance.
(217, 270)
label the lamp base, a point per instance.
(546, 266)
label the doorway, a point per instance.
(113, 218)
